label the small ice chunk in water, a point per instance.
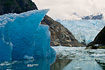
(77, 68)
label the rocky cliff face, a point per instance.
(16, 6)
(99, 41)
(100, 38)
(59, 34)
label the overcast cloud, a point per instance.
(71, 9)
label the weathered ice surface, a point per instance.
(24, 37)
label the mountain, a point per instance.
(84, 30)
(16, 6)
(93, 17)
(59, 34)
(100, 38)
(99, 41)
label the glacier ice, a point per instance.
(84, 30)
(22, 35)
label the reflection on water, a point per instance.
(102, 65)
(83, 60)
(59, 64)
(83, 65)
(76, 64)
(39, 64)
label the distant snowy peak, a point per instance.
(76, 16)
(99, 16)
(93, 17)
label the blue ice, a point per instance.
(22, 35)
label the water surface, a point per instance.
(67, 59)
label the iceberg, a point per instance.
(22, 35)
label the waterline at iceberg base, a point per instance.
(23, 37)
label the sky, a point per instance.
(71, 9)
